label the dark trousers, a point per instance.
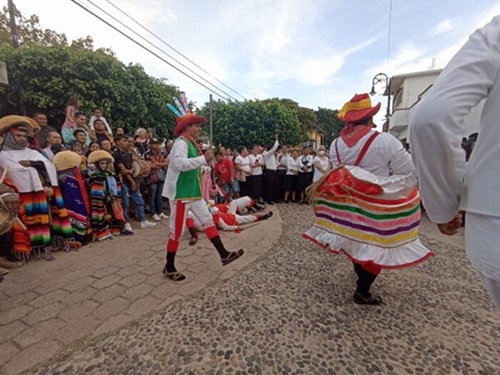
(6, 242)
(244, 188)
(281, 184)
(271, 186)
(365, 280)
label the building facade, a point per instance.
(407, 90)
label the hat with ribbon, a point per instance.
(13, 121)
(358, 108)
(184, 114)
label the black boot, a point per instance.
(194, 236)
(264, 216)
(170, 271)
(225, 256)
(362, 295)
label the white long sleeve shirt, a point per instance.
(385, 155)
(270, 157)
(438, 127)
(179, 162)
(256, 163)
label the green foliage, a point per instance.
(46, 71)
(252, 122)
(306, 116)
(329, 123)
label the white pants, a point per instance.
(177, 222)
(222, 224)
(482, 243)
(238, 205)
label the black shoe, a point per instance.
(270, 203)
(127, 232)
(232, 257)
(369, 300)
(193, 241)
(286, 202)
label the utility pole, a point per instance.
(211, 121)
(13, 26)
(15, 42)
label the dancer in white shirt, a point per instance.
(437, 129)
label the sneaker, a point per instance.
(147, 224)
(156, 217)
(3, 271)
(5, 263)
(163, 216)
(128, 228)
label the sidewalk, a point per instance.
(46, 307)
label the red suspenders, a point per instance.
(361, 155)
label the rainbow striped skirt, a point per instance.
(372, 220)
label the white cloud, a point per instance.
(443, 27)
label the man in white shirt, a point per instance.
(446, 185)
(271, 176)
(283, 157)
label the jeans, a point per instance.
(138, 201)
(155, 198)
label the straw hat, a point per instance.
(66, 160)
(98, 155)
(358, 108)
(35, 125)
(10, 121)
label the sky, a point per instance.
(318, 53)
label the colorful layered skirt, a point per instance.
(373, 220)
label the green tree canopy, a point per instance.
(45, 71)
(252, 122)
(329, 123)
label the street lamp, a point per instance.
(382, 77)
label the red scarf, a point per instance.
(192, 140)
(351, 134)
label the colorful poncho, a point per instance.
(105, 196)
(77, 203)
(373, 220)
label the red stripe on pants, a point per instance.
(211, 232)
(180, 214)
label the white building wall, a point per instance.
(414, 88)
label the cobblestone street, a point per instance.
(108, 310)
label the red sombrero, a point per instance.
(186, 120)
(358, 108)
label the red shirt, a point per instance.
(223, 169)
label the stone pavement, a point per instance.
(292, 313)
(46, 307)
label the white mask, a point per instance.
(321, 152)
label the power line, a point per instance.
(168, 45)
(147, 49)
(173, 58)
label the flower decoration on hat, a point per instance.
(357, 109)
(184, 114)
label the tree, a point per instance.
(252, 122)
(329, 123)
(47, 71)
(306, 116)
